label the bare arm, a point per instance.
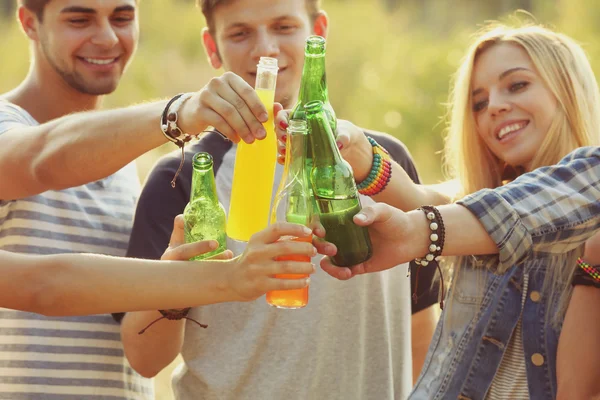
(401, 191)
(422, 327)
(92, 145)
(149, 353)
(577, 361)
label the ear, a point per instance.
(321, 24)
(29, 22)
(210, 47)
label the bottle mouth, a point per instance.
(268, 63)
(202, 160)
(315, 46)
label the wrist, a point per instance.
(419, 232)
(360, 158)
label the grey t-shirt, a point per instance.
(352, 340)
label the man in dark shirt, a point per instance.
(251, 350)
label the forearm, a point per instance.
(401, 192)
(80, 284)
(89, 146)
(578, 360)
(423, 326)
(157, 347)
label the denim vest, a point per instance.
(475, 329)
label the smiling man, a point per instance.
(353, 339)
(80, 49)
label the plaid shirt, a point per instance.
(535, 221)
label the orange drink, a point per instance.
(295, 298)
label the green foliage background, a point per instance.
(389, 62)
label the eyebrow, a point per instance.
(86, 10)
(244, 24)
(502, 76)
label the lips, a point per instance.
(509, 128)
(99, 62)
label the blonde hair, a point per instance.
(564, 68)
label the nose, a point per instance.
(265, 44)
(497, 103)
(105, 36)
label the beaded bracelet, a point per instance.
(590, 270)
(381, 171)
(437, 238)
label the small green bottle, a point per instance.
(335, 192)
(204, 216)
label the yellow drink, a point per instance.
(253, 177)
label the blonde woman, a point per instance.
(523, 98)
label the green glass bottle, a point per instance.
(204, 216)
(313, 85)
(335, 192)
(292, 204)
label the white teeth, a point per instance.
(99, 62)
(510, 128)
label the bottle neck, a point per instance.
(313, 85)
(322, 140)
(203, 184)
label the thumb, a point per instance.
(276, 108)
(378, 212)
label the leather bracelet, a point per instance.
(173, 315)
(586, 274)
(168, 121)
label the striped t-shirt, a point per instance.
(74, 357)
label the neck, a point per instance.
(48, 96)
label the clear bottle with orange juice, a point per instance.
(254, 170)
(292, 204)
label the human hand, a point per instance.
(396, 238)
(230, 105)
(178, 250)
(351, 140)
(252, 274)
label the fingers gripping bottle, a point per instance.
(254, 170)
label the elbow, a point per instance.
(44, 292)
(144, 370)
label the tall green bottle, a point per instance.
(335, 192)
(204, 216)
(313, 85)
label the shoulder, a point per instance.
(11, 115)
(398, 151)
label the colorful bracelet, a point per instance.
(589, 269)
(381, 171)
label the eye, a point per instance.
(285, 28)
(239, 35)
(480, 105)
(515, 87)
(123, 19)
(78, 21)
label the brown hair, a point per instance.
(36, 6)
(207, 6)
